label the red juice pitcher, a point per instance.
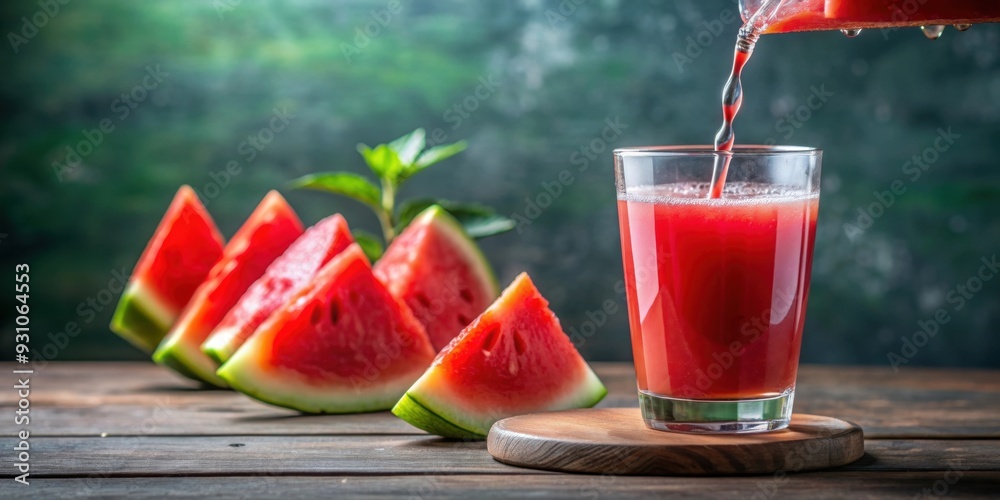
(782, 16)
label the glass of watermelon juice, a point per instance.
(717, 287)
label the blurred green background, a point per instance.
(555, 74)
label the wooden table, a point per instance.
(112, 429)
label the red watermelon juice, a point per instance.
(717, 288)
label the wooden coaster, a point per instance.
(616, 441)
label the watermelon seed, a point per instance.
(334, 311)
(424, 301)
(492, 337)
(466, 295)
(518, 342)
(463, 321)
(315, 316)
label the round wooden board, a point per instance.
(616, 441)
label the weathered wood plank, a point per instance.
(87, 399)
(817, 485)
(293, 455)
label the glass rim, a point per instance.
(743, 150)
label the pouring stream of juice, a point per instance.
(848, 16)
(732, 94)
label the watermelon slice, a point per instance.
(284, 277)
(268, 232)
(341, 345)
(513, 359)
(439, 272)
(176, 260)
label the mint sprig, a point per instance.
(393, 164)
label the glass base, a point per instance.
(716, 416)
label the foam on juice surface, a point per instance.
(735, 194)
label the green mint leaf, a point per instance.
(481, 227)
(343, 183)
(409, 146)
(432, 156)
(478, 220)
(383, 161)
(369, 243)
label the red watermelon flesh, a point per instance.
(268, 232)
(283, 278)
(176, 260)
(440, 273)
(340, 345)
(513, 359)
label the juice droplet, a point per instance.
(933, 32)
(851, 33)
(962, 27)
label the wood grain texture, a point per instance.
(87, 399)
(595, 441)
(923, 427)
(812, 485)
(408, 455)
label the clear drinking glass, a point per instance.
(717, 288)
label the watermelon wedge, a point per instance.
(283, 278)
(513, 359)
(439, 272)
(341, 345)
(176, 260)
(268, 232)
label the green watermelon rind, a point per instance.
(437, 416)
(416, 414)
(181, 348)
(242, 374)
(177, 355)
(141, 318)
(168, 360)
(215, 348)
(441, 219)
